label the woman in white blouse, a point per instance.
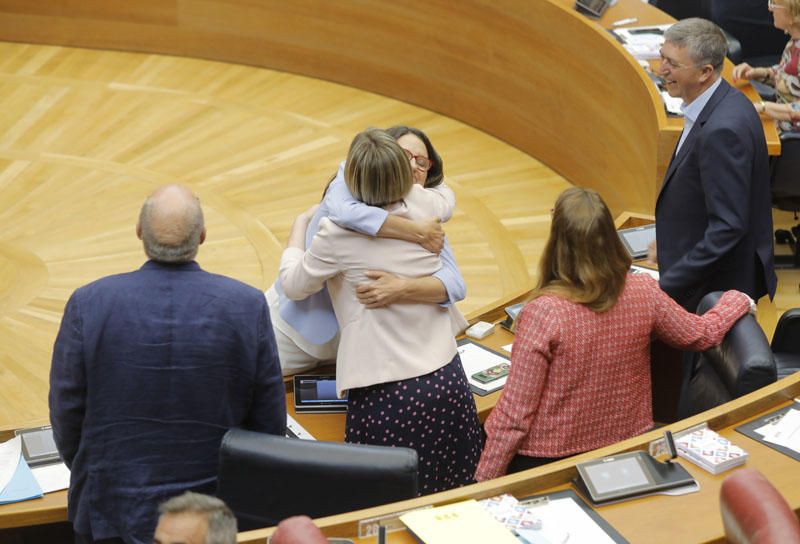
(398, 363)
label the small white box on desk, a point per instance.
(480, 330)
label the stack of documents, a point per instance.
(16, 479)
(531, 525)
(643, 42)
(784, 431)
(708, 450)
(463, 522)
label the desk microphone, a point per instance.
(670, 441)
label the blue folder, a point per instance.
(22, 487)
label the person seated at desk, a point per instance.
(399, 363)
(194, 518)
(306, 330)
(785, 78)
(580, 364)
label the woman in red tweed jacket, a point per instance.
(580, 372)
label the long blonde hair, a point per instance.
(584, 260)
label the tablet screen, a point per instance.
(317, 391)
(40, 443)
(637, 240)
(616, 475)
(596, 7)
(38, 446)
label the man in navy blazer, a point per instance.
(150, 368)
(713, 214)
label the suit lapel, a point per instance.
(681, 155)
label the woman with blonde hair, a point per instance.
(398, 363)
(580, 364)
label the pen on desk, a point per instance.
(627, 21)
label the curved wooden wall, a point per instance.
(535, 74)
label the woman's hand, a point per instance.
(431, 234)
(384, 290)
(743, 71)
(652, 253)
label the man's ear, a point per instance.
(203, 235)
(138, 230)
(708, 72)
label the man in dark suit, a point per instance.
(713, 214)
(150, 368)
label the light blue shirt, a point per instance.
(313, 318)
(692, 111)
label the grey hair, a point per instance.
(221, 521)
(704, 40)
(188, 233)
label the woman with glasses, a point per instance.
(785, 78)
(580, 364)
(399, 364)
(306, 331)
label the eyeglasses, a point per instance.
(771, 4)
(424, 163)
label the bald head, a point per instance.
(171, 225)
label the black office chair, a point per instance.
(741, 364)
(265, 478)
(786, 343)
(682, 9)
(785, 187)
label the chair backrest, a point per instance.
(786, 343)
(741, 364)
(787, 333)
(753, 512)
(265, 478)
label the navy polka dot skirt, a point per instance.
(434, 414)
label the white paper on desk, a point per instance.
(643, 51)
(476, 359)
(786, 432)
(53, 477)
(672, 103)
(507, 347)
(565, 515)
(636, 269)
(653, 34)
(9, 459)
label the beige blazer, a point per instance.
(381, 345)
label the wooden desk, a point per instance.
(52, 507)
(330, 427)
(657, 519)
